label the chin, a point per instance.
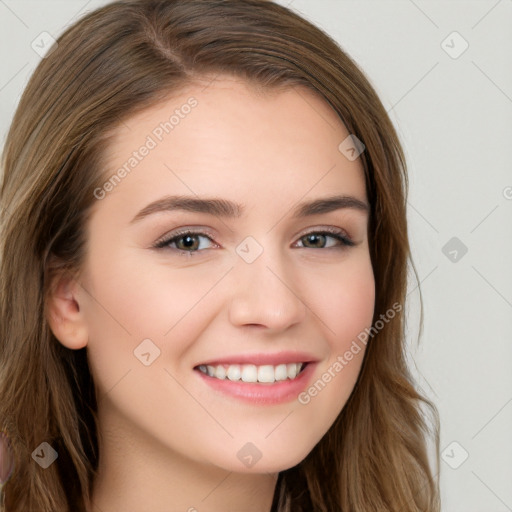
(269, 461)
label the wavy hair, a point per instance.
(114, 63)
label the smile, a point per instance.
(252, 373)
(263, 384)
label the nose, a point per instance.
(263, 294)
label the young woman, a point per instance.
(203, 272)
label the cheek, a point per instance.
(125, 305)
(351, 313)
(351, 309)
(144, 299)
(345, 302)
(345, 308)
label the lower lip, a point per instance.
(262, 393)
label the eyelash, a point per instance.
(163, 243)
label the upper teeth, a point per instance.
(253, 373)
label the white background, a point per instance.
(454, 119)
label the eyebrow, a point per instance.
(228, 209)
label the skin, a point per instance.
(168, 442)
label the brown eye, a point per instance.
(189, 242)
(184, 242)
(318, 240)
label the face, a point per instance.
(249, 285)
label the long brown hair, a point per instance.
(113, 63)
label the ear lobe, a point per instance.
(63, 313)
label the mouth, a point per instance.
(257, 385)
(251, 373)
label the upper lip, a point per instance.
(260, 358)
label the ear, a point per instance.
(63, 312)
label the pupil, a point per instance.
(189, 241)
(314, 238)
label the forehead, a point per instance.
(228, 137)
(232, 110)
